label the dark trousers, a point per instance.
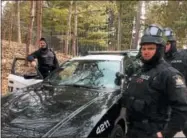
(135, 133)
(143, 129)
(45, 71)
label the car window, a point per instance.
(21, 69)
(100, 73)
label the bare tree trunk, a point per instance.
(38, 20)
(30, 28)
(10, 27)
(119, 29)
(18, 21)
(75, 31)
(37, 7)
(137, 25)
(69, 28)
(4, 34)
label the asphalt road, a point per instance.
(179, 135)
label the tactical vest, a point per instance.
(143, 98)
(46, 59)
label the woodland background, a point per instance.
(73, 27)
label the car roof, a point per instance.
(124, 52)
(100, 57)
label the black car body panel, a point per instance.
(68, 103)
(56, 111)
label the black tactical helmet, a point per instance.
(153, 34)
(168, 32)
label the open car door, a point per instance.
(22, 76)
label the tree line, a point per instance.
(169, 14)
(70, 25)
(75, 26)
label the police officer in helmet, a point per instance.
(47, 61)
(156, 97)
(177, 59)
(170, 48)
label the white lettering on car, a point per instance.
(102, 127)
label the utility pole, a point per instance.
(137, 25)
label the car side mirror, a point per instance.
(119, 77)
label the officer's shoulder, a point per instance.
(182, 52)
(163, 66)
(171, 74)
(37, 51)
(182, 55)
(50, 49)
(167, 69)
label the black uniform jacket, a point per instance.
(154, 94)
(179, 61)
(47, 61)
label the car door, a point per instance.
(22, 75)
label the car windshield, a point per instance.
(90, 73)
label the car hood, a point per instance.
(48, 111)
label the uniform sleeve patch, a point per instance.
(179, 82)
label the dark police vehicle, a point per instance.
(80, 99)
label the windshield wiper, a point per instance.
(79, 85)
(47, 82)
